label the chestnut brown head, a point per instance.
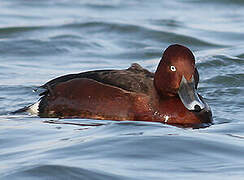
(177, 75)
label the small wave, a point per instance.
(227, 80)
(220, 61)
(238, 2)
(61, 172)
(33, 47)
(140, 32)
(20, 29)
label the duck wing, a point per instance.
(134, 79)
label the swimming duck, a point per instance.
(169, 95)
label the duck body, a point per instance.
(131, 94)
(105, 94)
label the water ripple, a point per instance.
(40, 40)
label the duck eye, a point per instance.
(172, 68)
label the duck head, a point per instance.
(177, 75)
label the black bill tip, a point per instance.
(197, 108)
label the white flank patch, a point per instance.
(166, 118)
(34, 108)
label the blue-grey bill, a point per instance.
(189, 96)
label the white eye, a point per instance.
(172, 68)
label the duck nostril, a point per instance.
(197, 108)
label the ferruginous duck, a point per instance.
(169, 95)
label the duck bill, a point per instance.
(189, 96)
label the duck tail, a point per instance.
(32, 109)
(21, 110)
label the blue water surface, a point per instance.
(40, 40)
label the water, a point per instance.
(40, 40)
